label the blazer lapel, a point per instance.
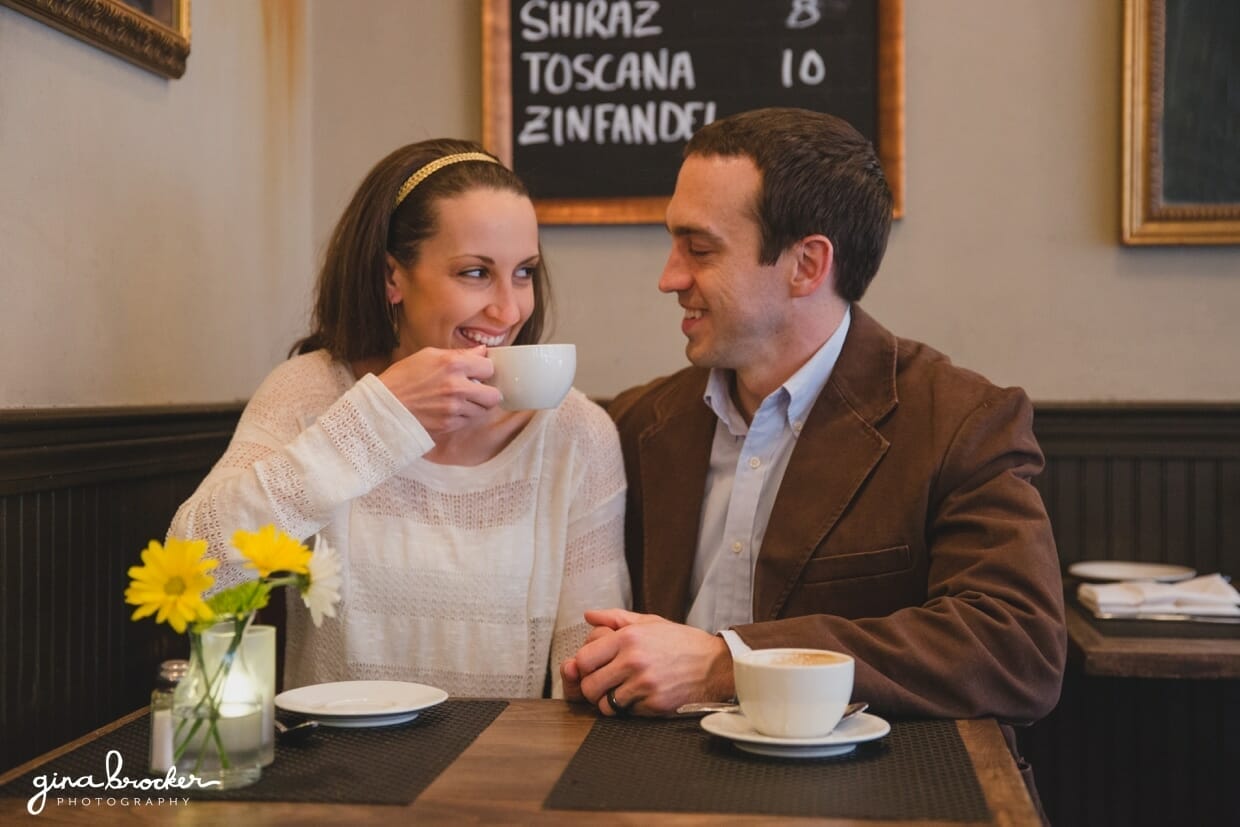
(837, 450)
(674, 454)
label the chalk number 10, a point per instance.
(810, 69)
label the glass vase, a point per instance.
(217, 711)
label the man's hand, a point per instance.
(650, 664)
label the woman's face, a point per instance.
(473, 283)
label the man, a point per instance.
(813, 480)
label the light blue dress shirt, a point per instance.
(747, 464)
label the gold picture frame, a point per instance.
(497, 117)
(1150, 216)
(153, 34)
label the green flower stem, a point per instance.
(208, 704)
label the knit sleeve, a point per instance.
(595, 574)
(300, 453)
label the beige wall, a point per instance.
(154, 234)
(180, 269)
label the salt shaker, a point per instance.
(170, 674)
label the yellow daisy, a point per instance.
(269, 549)
(171, 582)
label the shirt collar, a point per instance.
(718, 397)
(800, 389)
(804, 386)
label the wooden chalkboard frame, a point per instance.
(1148, 218)
(497, 120)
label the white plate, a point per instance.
(843, 739)
(367, 721)
(1124, 570)
(363, 702)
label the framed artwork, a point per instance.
(592, 103)
(1181, 127)
(153, 34)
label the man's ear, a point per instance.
(814, 265)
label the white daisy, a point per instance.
(322, 592)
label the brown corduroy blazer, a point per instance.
(906, 530)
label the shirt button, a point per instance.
(754, 462)
(736, 547)
(796, 427)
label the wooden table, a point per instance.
(1149, 657)
(503, 777)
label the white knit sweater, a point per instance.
(471, 579)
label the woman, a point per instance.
(472, 539)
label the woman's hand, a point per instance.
(443, 388)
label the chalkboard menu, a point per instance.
(592, 101)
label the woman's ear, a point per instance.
(813, 266)
(391, 282)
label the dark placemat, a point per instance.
(921, 770)
(387, 765)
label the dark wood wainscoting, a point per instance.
(81, 494)
(1149, 483)
(1156, 484)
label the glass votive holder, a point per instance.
(259, 650)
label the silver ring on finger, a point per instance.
(617, 709)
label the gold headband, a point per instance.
(434, 166)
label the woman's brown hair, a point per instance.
(352, 317)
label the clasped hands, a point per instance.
(646, 665)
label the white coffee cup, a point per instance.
(533, 376)
(793, 693)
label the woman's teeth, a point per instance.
(489, 341)
(690, 313)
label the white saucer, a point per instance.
(1126, 570)
(839, 741)
(361, 703)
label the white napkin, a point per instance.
(1209, 594)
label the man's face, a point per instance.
(735, 308)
